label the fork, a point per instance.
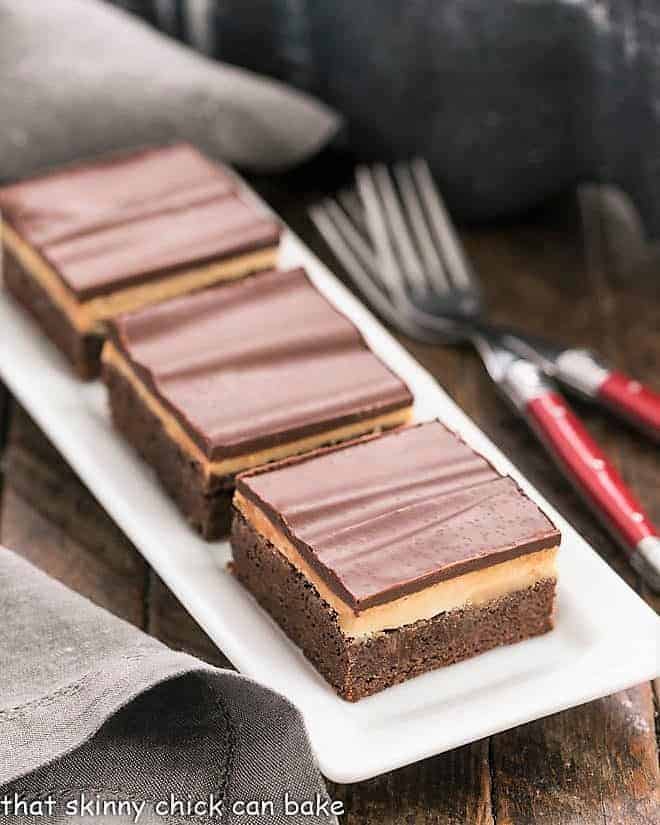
(398, 246)
(449, 288)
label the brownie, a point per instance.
(81, 348)
(87, 242)
(204, 500)
(388, 557)
(210, 384)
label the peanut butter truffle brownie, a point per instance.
(232, 377)
(90, 241)
(394, 555)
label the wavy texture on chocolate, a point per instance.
(388, 516)
(256, 363)
(120, 220)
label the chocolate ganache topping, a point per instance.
(256, 363)
(114, 222)
(391, 515)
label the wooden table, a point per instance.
(594, 764)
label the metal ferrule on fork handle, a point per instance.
(646, 560)
(585, 465)
(522, 382)
(581, 370)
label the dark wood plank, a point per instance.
(593, 764)
(52, 520)
(451, 789)
(626, 271)
(596, 763)
(4, 414)
(631, 292)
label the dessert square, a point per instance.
(229, 378)
(394, 555)
(87, 242)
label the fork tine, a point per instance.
(355, 240)
(410, 261)
(450, 246)
(351, 204)
(435, 268)
(325, 217)
(389, 271)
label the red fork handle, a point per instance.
(632, 400)
(584, 372)
(587, 467)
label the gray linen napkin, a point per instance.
(79, 77)
(94, 714)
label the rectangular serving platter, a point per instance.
(606, 638)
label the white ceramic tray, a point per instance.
(606, 638)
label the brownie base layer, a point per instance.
(206, 503)
(360, 667)
(81, 349)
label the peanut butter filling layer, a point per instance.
(469, 590)
(229, 466)
(88, 316)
